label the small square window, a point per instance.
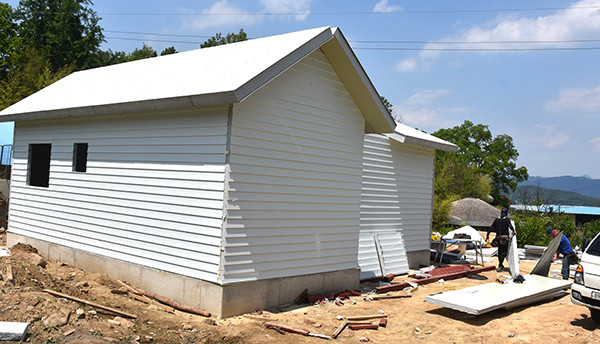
(80, 153)
(38, 164)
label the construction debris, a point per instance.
(449, 273)
(302, 298)
(89, 303)
(364, 327)
(303, 332)
(168, 301)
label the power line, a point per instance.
(153, 40)
(156, 34)
(381, 48)
(387, 42)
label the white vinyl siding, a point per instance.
(294, 187)
(152, 193)
(397, 194)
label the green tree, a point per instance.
(144, 52)
(218, 39)
(168, 51)
(389, 107)
(64, 32)
(590, 229)
(492, 156)
(455, 180)
(33, 74)
(9, 40)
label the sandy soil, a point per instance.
(411, 320)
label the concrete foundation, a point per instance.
(220, 300)
(418, 259)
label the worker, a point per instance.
(502, 226)
(569, 255)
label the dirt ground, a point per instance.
(411, 320)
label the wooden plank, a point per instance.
(89, 303)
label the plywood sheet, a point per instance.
(491, 296)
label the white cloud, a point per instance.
(383, 7)
(223, 14)
(576, 100)
(300, 8)
(425, 97)
(596, 143)
(550, 137)
(424, 118)
(563, 25)
(420, 111)
(216, 17)
(407, 65)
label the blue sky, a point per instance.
(530, 69)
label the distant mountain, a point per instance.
(582, 185)
(525, 194)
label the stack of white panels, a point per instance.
(491, 296)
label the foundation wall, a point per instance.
(418, 259)
(219, 300)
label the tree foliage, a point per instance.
(142, 53)
(218, 39)
(42, 41)
(168, 51)
(9, 40)
(488, 155)
(33, 74)
(531, 228)
(65, 32)
(455, 180)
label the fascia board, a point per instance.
(165, 104)
(282, 65)
(358, 84)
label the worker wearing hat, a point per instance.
(569, 256)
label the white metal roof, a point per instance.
(211, 76)
(406, 134)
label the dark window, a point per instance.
(38, 164)
(80, 152)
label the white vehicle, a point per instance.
(585, 291)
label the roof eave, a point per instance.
(163, 104)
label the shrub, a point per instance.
(590, 229)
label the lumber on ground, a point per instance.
(133, 293)
(170, 302)
(454, 275)
(366, 317)
(89, 303)
(339, 329)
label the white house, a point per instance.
(397, 200)
(226, 178)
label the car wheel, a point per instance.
(595, 315)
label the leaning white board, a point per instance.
(392, 250)
(491, 296)
(512, 255)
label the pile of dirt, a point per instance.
(26, 274)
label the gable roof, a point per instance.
(211, 76)
(405, 134)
